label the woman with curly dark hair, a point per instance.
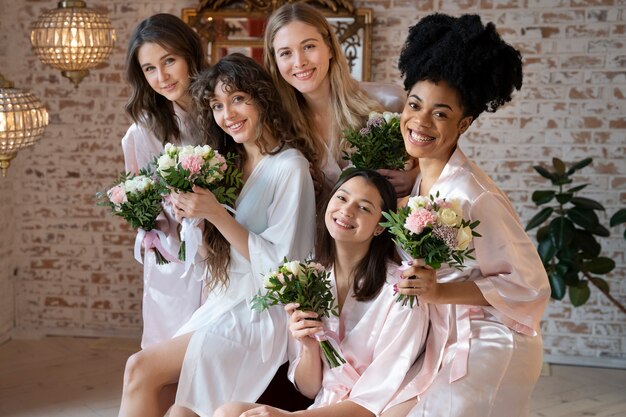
(226, 351)
(484, 352)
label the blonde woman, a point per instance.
(306, 62)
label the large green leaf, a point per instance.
(558, 165)
(601, 283)
(543, 232)
(579, 294)
(600, 265)
(542, 196)
(545, 173)
(557, 285)
(579, 165)
(601, 231)
(586, 203)
(618, 218)
(561, 231)
(539, 218)
(587, 244)
(564, 198)
(576, 189)
(546, 250)
(585, 218)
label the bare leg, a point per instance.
(233, 409)
(178, 411)
(400, 410)
(147, 374)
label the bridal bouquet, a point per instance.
(377, 145)
(433, 229)
(308, 284)
(137, 199)
(182, 167)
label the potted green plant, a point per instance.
(568, 227)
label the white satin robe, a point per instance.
(168, 300)
(379, 339)
(483, 361)
(235, 352)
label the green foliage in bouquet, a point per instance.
(378, 145)
(142, 203)
(567, 233)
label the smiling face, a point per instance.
(353, 212)
(432, 121)
(236, 113)
(302, 56)
(166, 72)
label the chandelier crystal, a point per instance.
(23, 120)
(73, 38)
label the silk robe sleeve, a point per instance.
(400, 339)
(291, 219)
(513, 279)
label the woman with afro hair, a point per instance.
(484, 352)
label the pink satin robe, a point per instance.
(379, 339)
(483, 361)
(168, 300)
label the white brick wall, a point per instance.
(75, 272)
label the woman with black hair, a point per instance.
(379, 338)
(484, 351)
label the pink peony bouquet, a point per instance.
(433, 229)
(308, 284)
(377, 145)
(182, 167)
(137, 199)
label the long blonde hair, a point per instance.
(350, 105)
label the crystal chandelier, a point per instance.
(73, 38)
(23, 120)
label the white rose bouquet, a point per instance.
(377, 145)
(433, 229)
(182, 167)
(137, 199)
(308, 284)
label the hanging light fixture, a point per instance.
(23, 120)
(73, 38)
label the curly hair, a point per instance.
(349, 103)
(145, 106)
(469, 56)
(372, 269)
(240, 73)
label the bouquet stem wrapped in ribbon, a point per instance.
(433, 229)
(308, 284)
(182, 167)
(137, 199)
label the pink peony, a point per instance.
(117, 194)
(193, 163)
(419, 219)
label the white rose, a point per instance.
(171, 150)
(186, 150)
(456, 206)
(294, 267)
(388, 116)
(463, 238)
(374, 115)
(138, 184)
(165, 161)
(203, 151)
(447, 217)
(418, 201)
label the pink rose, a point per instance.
(221, 161)
(419, 219)
(191, 162)
(117, 194)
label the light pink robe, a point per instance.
(379, 339)
(168, 301)
(484, 361)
